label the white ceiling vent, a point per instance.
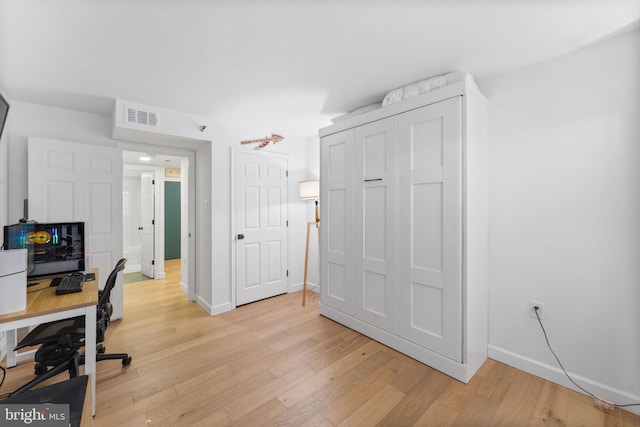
(140, 117)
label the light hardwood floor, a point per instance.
(277, 363)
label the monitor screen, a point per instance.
(52, 249)
(4, 111)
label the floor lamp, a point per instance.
(308, 190)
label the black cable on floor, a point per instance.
(565, 372)
(4, 375)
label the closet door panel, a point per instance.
(336, 220)
(374, 228)
(429, 257)
(336, 207)
(374, 222)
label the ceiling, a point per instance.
(285, 66)
(154, 159)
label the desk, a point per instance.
(43, 305)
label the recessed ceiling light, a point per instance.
(145, 158)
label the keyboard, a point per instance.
(70, 284)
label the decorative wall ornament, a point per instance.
(264, 141)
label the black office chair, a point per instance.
(60, 341)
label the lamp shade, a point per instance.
(309, 189)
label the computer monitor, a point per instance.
(52, 248)
(4, 112)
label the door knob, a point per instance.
(140, 228)
(240, 236)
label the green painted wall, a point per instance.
(171, 220)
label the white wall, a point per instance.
(47, 122)
(213, 213)
(564, 216)
(228, 138)
(313, 172)
(302, 211)
(213, 216)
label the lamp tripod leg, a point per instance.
(306, 265)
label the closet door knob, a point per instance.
(240, 236)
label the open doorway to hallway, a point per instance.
(172, 268)
(153, 213)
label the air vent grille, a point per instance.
(140, 117)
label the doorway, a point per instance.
(172, 220)
(146, 178)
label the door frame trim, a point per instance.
(190, 155)
(232, 248)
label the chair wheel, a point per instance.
(126, 361)
(40, 369)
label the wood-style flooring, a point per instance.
(276, 363)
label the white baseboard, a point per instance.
(555, 375)
(224, 307)
(220, 308)
(206, 307)
(310, 287)
(131, 268)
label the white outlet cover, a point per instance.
(532, 311)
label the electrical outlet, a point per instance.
(532, 311)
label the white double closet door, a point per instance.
(407, 225)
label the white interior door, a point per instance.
(147, 215)
(261, 220)
(429, 150)
(70, 181)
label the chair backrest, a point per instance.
(105, 294)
